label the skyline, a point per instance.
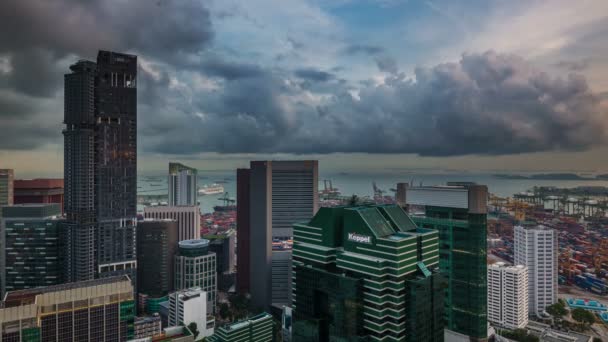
(475, 86)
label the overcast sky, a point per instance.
(358, 84)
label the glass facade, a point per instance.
(366, 274)
(462, 251)
(195, 266)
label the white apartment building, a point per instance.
(188, 219)
(536, 248)
(188, 306)
(508, 295)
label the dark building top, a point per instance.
(35, 210)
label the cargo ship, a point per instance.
(213, 189)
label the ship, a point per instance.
(213, 189)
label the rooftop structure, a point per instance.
(39, 191)
(257, 328)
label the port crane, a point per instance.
(227, 200)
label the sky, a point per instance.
(358, 84)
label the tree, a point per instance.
(583, 316)
(353, 200)
(557, 310)
(194, 329)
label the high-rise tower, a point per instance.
(100, 165)
(183, 185)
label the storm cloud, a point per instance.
(194, 97)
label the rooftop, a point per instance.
(196, 243)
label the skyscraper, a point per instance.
(281, 193)
(32, 243)
(536, 247)
(243, 230)
(100, 164)
(195, 266)
(366, 274)
(188, 219)
(508, 295)
(183, 185)
(6, 186)
(156, 249)
(459, 213)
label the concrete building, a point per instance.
(183, 185)
(508, 295)
(195, 266)
(7, 177)
(281, 193)
(459, 213)
(536, 247)
(156, 248)
(190, 306)
(100, 164)
(188, 219)
(257, 328)
(33, 246)
(95, 310)
(366, 274)
(39, 191)
(147, 327)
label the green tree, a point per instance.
(585, 317)
(240, 305)
(224, 311)
(354, 200)
(194, 329)
(557, 310)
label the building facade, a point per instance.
(281, 193)
(223, 245)
(156, 248)
(536, 247)
(39, 191)
(459, 214)
(100, 164)
(257, 328)
(147, 327)
(190, 306)
(188, 219)
(508, 296)
(7, 177)
(32, 245)
(243, 230)
(366, 274)
(183, 185)
(195, 266)
(95, 310)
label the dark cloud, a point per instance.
(355, 49)
(387, 64)
(314, 75)
(217, 67)
(487, 104)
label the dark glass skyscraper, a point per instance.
(100, 165)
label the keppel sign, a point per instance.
(359, 238)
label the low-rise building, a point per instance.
(147, 326)
(190, 306)
(253, 329)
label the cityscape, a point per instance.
(163, 177)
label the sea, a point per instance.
(360, 183)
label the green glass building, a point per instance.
(33, 245)
(366, 273)
(459, 213)
(254, 329)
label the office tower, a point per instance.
(536, 247)
(508, 295)
(39, 191)
(223, 245)
(242, 230)
(32, 245)
(79, 166)
(195, 266)
(257, 328)
(156, 249)
(188, 219)
(190, 306)
(400, 194)
(281, 193)
(183, 185)
(116, 163)
(7, 177)
(100, 164)
(366, 274)
(149, 326)
(459, 213)
(95, 310)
